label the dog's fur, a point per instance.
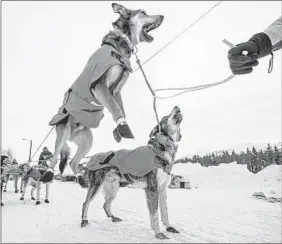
(135, 24)
(34, 183)
(155, 182)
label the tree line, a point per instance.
(256, 160)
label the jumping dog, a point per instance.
(103, 90)
(164, 144)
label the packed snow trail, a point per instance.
(200, 216)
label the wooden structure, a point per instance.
(179, 182)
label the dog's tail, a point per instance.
(65, 154)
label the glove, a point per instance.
(122, 130)
(257, 47)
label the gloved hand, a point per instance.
(258, 46)
(122, 130)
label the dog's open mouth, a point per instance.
(147, 29)
(177, 118)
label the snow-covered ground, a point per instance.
(218, 208)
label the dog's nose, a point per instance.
(176, 109)
(161, 18)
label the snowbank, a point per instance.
(233, 176)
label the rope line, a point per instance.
(151, 90)
(148, 84)
(42, 142)
(191, 25)
(194, 88)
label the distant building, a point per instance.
(178, 181)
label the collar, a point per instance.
(126, 39)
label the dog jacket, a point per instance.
(78, 100)
(137, 162)
(35, 174)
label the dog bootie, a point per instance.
(81, 180)
(48, 175)
(122, 130)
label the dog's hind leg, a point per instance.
(16, 183)
(21, 187)
(83, 139)
(96, 179)
(47, 193)
(152, 195)
(110, 189)
(63, 134)
(7, 180)
(163, 210)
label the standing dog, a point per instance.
(113, 172)
(32, 176)
(99, 86)
(16, 173)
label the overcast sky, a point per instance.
(45, 46)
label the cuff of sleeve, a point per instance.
(121, 120)
(263, 43)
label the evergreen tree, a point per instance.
(233, 156)
(254, 157)
(277, 159)
(269, 155)
(249, 160)
(213, 159)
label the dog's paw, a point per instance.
(16, 191)
(2, 204)
(22, 198)
(37, 203)
(21, 191)
(161, 236)
(172, 229)
(32, 198)
(47, 201)
(116, 219)
(5, 191)
(84, 223)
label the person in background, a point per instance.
(259, 45)
(4, 162)
(44, 155)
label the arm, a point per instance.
(274, 32)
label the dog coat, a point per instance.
(78, 100)
(35, 174)
(137, 162)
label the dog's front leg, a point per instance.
(25, 185)
(38, 186)
(164, 212)
(32, 193)
(47, 193)
(152, 202)
(104, 96)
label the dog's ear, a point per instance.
(154, 131)
(120, 10)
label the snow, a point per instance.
(219, 208)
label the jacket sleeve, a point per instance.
(274, 32)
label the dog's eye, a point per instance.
(143, 12)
